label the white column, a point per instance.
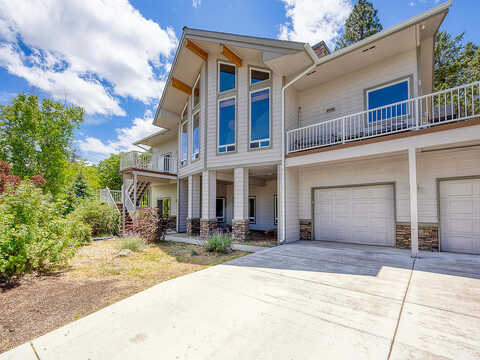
(240, 194)
(412, 168)
(209, 195)
(135, 189)
(194, 196)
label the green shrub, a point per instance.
(133, 243)
(102, 218)
(33, 234)
(78, 231)
(218, 242)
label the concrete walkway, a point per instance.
(307, 300)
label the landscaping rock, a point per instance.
(124, 253)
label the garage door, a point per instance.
(361, 214)
(460, 216)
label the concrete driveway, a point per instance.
(307, 300)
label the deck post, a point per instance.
(412, 168)
(135, 189)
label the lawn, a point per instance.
(94, 279)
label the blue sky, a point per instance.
(112, 56)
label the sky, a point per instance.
(112, 57)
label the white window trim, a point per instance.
(193, 94)
(250, 141)
(163, 199)
(258, 69)
(407, 79)
(183, 162)
(218, 126)
(252, 219)
(218, 77)
(196, 155)
(222, 219)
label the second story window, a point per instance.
(196, 93)
(259, 108)
(226, 77)
(226, 125)
(383, 96)
(196, 136)
(184, 136)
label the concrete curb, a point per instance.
(191, 240)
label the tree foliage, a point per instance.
(455, 63)
(37, 138)
(80, 188)
(82, 168)
(109, 172)
(362, 23)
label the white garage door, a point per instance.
(460, 216)
(361, 214)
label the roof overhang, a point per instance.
(157, 138)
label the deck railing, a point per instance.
(455, 104)
(108, 196)
(148, 161)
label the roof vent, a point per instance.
(368, 49)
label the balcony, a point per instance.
(446, 106)
(146, 161)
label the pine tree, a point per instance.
(80, 187)
(362, 23)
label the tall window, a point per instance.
(258, 75)
(386, 95)
(220, 209)
(196, 93)
(196, 136)
(260, 118)
(252, 210)
(226, 77)
(226, 125)
(164, 206)
(184, 136)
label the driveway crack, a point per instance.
(34, 351)
(401, 310)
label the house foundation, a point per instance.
(193, 226)
(427, 237)
(207, 227)
(240, 230)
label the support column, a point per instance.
(208, 222)
(193, 219)
(182, 205)
(135, 192)
(412, 169)
(240, 212)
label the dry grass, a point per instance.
(94, 279)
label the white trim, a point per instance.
(182, 161)
(261, 70)
(195, 155)
(407, 78)
(218, 77)
(193, 94)
(218, 125)
(259, 141)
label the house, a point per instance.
(347, 146)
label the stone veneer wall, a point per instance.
(193, 226)
(306, 229)
(427, 237)
(207, 227)
(240, 230)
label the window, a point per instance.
(387, 95)
(164, 206)
(275, 209)
(226, 125)
(260, 118)
(196, 136)
(196, 93)
(258, 75)
(220, 209)
(251, 210)
(226, 77)
(184, 144)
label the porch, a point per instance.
(148, 162)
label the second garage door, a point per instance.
(357, 214)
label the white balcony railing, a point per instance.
(148, 161)
(459, 103)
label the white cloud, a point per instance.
(312, 21)
(196, 3)
(95, 149)
(103, 48)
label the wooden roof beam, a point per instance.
(230, 55)
(180, 85)
(197, 50)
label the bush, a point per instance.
(133, 243)
(102, 218)
(218, 242)
(151, 226)
(33, 234)
(78, 231)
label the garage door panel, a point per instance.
(361, 214)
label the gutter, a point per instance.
(315, 60)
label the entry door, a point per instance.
(460, 216)
(359, 214)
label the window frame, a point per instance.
(224, 201)
(408, 79)
(182, 161)
(194, 107)
(233, 96)
(163, 199)
(252, 219)
(218, 77)
(269, 139)
(195, 155)
(275, 209)
(258, 69)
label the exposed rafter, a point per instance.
(197, 50)
(180, 85)
(230, 55)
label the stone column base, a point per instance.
(306, 229)
(427, 237)
(207, 227)
(240, 230)
(193, 226)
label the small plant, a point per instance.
(133, 243)
(194, 252)
(218, 242)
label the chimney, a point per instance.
(321, 49)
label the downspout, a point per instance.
(315, 60)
